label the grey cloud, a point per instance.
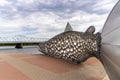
(50, 16)
(56, 6)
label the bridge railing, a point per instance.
(22, 40)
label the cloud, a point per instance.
(46, 18)
(3, 2)
(104, 6)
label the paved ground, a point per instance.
(38, 67)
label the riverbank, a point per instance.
(25, 49)
(14, 44)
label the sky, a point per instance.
(46, 18)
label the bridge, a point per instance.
(19, 40)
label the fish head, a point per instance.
(41, 47)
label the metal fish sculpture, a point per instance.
(73, 46)
(77, 46)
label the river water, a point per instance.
(25, 49)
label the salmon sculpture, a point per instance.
(73, 46)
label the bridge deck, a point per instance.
(38, 67)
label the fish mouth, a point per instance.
(41, 46)
(39, 49)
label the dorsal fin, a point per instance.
(68, 27)
(91, 29)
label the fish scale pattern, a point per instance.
(72, 46)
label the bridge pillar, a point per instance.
(19, 45)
